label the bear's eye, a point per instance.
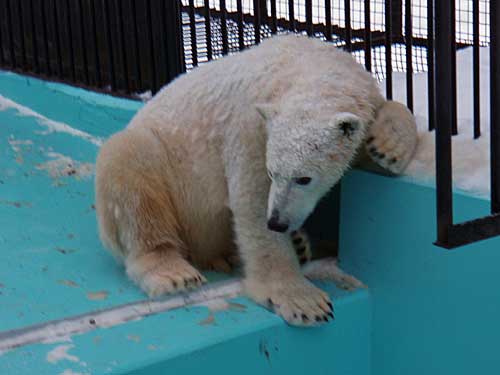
(347, 128)
(303, 180)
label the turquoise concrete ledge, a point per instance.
(427, 310)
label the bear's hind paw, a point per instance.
(166, 277)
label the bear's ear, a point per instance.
(348, 123)
(267, 111)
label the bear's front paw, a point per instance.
(392, 139)
(298, 301)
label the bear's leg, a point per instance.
(137, 214)
(272, 273)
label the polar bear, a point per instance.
(232, 158)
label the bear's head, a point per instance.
(307, 152)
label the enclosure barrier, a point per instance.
(127, 47)
(124, 47)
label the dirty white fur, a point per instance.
(190, 174)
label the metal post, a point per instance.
(495, 110)
(443, 9)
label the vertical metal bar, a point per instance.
(192, 29)
(208, 30)
(154, 74)
(368, 37)
(274, 20)
(430, 65)
(124, 46)
(84, 43)
(291, 14)
(106, 15)
(2, 59)
(96, 48)
(309, 16)
(348, 30)
(45, 37)
(476, 68)
(58, 41)
(241, 39)
(223, 21)
(397, 19)
(453, 93)
(11, 37)
(409, 56)
(257, 20)
(388, 49)
(70, 38)
(36, 63)
(444, 201)
(21, 39)
(495, 107)
(328, 21)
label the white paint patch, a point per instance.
(71, 372)
(60, 353)
(51, 125)
(64, 166)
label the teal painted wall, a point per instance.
(435, 311)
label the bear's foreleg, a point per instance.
(272, 272)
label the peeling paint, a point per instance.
(97, 296)
(17, 204)
(71, 372)
(209, 320)
(64, 166)
(69, 283)
(134, 338)
(60, 353)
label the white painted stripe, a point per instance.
(51, 331)
(51, 125)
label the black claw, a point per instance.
(297, 241)
(174, 283)
(301, 250)
(331, 315)
(325, 319)
(370, 140)
(185, 283)
(381, 156)
(393, 160)
(330, 305)
(294, 316)
(373, 150)
(318, 318)
(270, 302)
(305, 318)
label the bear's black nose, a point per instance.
(274, 224)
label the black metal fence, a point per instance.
(117, 46)
(126, 47)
